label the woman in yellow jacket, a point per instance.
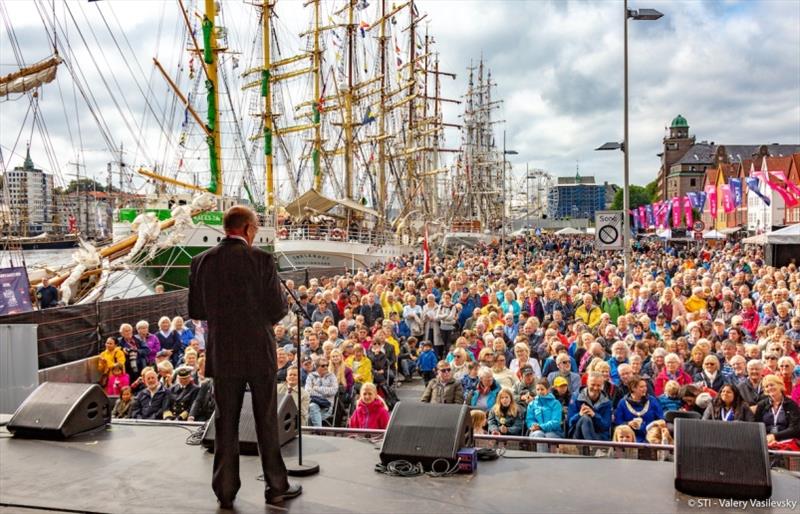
(113, 354)
(360, 365)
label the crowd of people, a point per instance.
(542, 337)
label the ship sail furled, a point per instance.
(30, 77)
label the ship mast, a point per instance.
(317, 100)
(382, 136)
(412, 84)
(212, 95)
(266, 14)
(348, 107)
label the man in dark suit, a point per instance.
(235, 287)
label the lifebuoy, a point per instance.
(337, 234)
(283, 233)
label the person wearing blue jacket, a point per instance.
(426, 362)
(153, 400)
(543, 418)
(485, 394)
(638, 409)
(619, 355)
(589, 411)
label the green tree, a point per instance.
(84, 184)
(638, 196)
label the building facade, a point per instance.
(578, 197)
(684, 162)
(30, 198)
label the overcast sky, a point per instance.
(732, 68)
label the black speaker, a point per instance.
(424, 433)
(59, 410)
(248, 442)
(722, 459)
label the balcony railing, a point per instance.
(324, 233)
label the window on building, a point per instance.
(693, 182)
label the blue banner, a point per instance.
(698, 199)
(753, 185)
(15, 296)
(650, 218)
(736, 185)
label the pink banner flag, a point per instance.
(788, 200)
(711, 194)
(687, 208)
(727, 198)
(643, 216)
(676, 212)
(792, 187)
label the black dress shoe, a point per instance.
(293, 492)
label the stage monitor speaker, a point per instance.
(424, 433)
(248, 442)
(722, 459)
(56, 410)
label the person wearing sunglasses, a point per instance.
(443, 388)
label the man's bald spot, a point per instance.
(237, 217)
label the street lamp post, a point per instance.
(647, 15)
(505, 167)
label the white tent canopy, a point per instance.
(314, 203)
(760, 239)
(785, 236)
(569, 231)
(713, 234)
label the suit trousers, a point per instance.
(229, 395)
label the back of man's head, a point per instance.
(237, 217)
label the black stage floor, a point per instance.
(139, 469)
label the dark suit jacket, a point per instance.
(236, 289)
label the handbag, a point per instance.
(321, 401)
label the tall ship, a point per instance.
(359, 149)
(478, 174)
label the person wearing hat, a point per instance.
(560, 390)
(525, 390)
(182, 395)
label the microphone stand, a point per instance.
(299, 468)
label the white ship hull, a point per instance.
(313, 253)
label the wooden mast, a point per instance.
(316, 153)
(266, 14)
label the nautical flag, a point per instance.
(736, 186)
(368, 117)
(753, 185)
(426, 253)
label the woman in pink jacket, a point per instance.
(371, 411)
(672, 371)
